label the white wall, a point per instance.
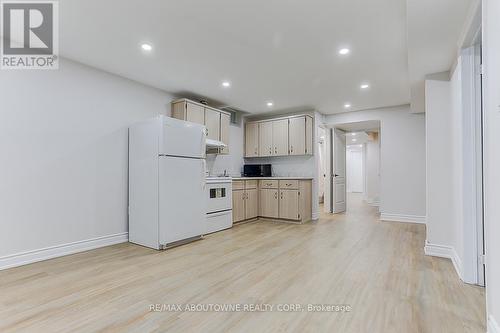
(441, 206)
(233, 162)
(453, 151)
(355, 170)
(491, 61)
(372, 167)
(402, 168)
(444, 166)
(64, 143)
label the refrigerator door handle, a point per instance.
(203, 173)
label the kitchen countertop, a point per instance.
(272, 178)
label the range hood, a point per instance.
(215, 144)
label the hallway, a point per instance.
(376, 268)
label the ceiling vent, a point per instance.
(235, 113)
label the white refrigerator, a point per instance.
(166, 182)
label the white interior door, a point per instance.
(338, 175)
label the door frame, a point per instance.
(328, 207)
(472, 174)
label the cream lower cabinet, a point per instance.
(277, 199)
(245, 200)
(289, 204)
(269, 203)
(238, 205)
(251, 204)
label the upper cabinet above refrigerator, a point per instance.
(216, 122)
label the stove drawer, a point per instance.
(218, 221)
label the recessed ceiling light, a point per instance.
(344, 51)
(354, 140)
(347, 105)
(353, 134)
(360, 146)
(226, 84)
(365, 86)
(270, 104)
(146, 47)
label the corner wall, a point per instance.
(64, 143)
(372, 153)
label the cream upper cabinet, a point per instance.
(216, 121)
(280, 137)
(188, 111)
(289, 204)
(297, 135)
(251, 139)
(212, 123)
(266, 139)
(309, 136)
(225, 120)
(195, 113)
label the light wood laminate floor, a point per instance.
(377, 268)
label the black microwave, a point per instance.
(257, 170)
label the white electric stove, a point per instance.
(219, 204)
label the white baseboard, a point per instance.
(402, 218)
(29, 257)
(493, 326)
(315, 216)
(373, 203)
(444, 251)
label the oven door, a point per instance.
(219, 197)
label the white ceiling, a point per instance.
(356, 138)
(285, 51)
(369, 125)
(434, 33)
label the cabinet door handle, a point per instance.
(291, 149)
(281, 195)
(276, 150)
(275, 195)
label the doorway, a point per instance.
(353, 164)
